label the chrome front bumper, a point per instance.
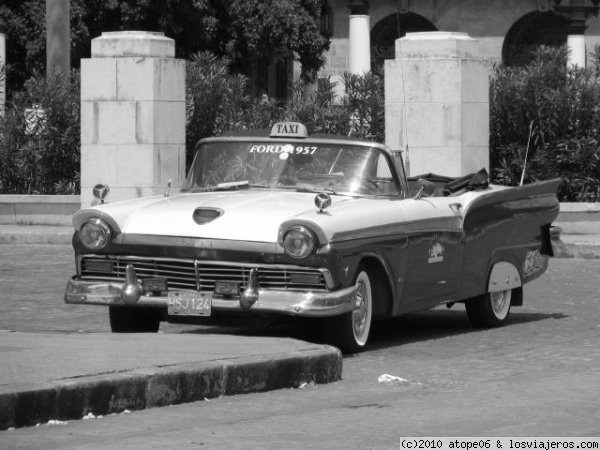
(298, 303)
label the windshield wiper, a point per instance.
(315, 189)
(229, 185)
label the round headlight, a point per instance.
(95, 234)
(298, 242)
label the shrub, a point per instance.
(552, 113)
(40, 138)
(219, 101)
(359, 112)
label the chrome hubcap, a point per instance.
(360, 312)
(361, 316)
(500, 303)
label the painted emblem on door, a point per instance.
(436, 251)
(534, 263)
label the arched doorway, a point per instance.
(531, 31)
(394, 26)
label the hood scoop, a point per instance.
(206, 215)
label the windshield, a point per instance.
(314, 167)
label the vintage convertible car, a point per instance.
(329, 227)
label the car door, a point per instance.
(435, 250)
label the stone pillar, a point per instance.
(359, 42)
(577, 17)
(576, 37)
(576, 46)
(437, 103)
(576, 12)
(132, 116)
(359, 60)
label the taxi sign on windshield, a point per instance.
(289, 129)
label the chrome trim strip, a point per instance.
(297, 303)
(370, 232)
(200, 243)
(450, 223)
(197, 274)
(437, 225)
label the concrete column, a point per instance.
(576, 46)
(132, 116)
(437, 103)
(359, 60)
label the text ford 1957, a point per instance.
(283, 223)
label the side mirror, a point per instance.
(426, 189)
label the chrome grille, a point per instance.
(194, 274)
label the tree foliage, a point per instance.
(250, 33)
(262, 31)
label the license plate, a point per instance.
(154, 284)
(189, 303)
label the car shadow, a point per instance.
(407, 329)
(439, 323)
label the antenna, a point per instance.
(526, 153)
(407, 161)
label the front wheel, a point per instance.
(128, 319)
(350, 332)
(491, 309)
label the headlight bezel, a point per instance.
(103, 237)
(299, 232)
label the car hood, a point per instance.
(246, 215)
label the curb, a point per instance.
(72, 399)
(30, 234)
(581, 251)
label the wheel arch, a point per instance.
(381, 284)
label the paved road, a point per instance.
(31, 298)
(536, 377)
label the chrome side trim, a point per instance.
(297, 303)
(200, 243)
(370, 232)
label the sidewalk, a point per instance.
(47, 376)
(584, 246)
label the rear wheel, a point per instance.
(127, 319)
(491, 309)
(350, 331)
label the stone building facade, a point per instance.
(506, 29)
